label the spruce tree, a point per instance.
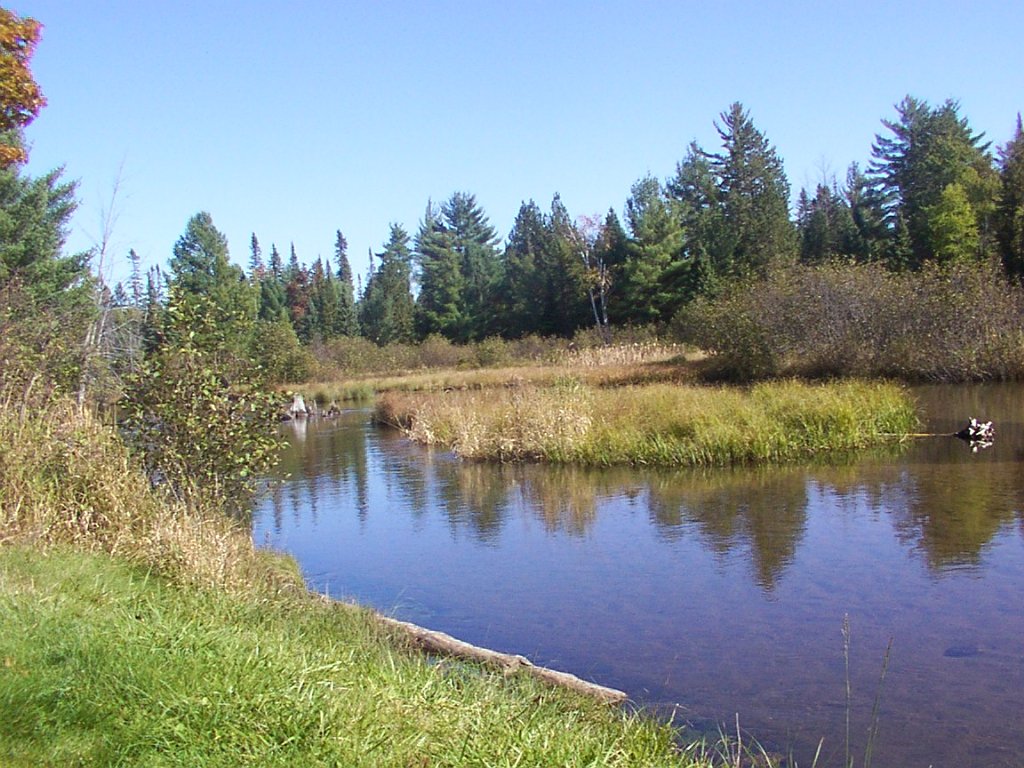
(347, 320)
(656, 248)
(520, 292)
(387, 308)
(474, 241)
(203, 280)
(256, 268)
(440, 303)
(754, 196)
(929, 149)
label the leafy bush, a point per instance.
(200, 419)
(957, 323)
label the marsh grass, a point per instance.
(657, 424)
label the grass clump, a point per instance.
(655, 424)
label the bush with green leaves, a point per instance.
(201, 420)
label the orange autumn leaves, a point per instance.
(20, 96)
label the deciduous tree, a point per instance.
(20, 96)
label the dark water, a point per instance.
(716, 593)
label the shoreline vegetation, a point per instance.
(138, 628)
(569, 421)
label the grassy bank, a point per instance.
(138, 630)
(105, 664)
(654, 424)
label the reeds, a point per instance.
(655, 424)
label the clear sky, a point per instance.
(295, 119)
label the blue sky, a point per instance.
(293, 120)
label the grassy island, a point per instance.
(658, 424)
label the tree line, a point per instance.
(933, 193)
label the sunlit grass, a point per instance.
(657, 424)
(103, 664)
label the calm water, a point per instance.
(715, 593)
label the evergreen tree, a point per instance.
(203, 280)
(870, 237)
(695, 192)
(564, 269)
(656, 252)
(522, 287)
(1010, 215)
(272, 302)
(753, 193)
(440, 303)
(34, 216)
(475, 242)
(387, 307)
(608, 258)
(137, 291)
(256, 268)
(153, 311)
(276, 266)
(929, 149)
(826, 226)
(347, 320)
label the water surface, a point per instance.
(710, 593)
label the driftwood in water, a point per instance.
(440, 643)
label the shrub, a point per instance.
(957, 323)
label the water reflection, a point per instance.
(722, 591)
(947, 509)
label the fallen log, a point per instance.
(440, 643)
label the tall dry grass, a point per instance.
(66, 478)
(655, 424)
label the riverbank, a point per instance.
(104, 663)
(136, 629)
(657, 424)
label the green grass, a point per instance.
(657, 424)
(103, 664)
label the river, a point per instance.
(709, 595)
